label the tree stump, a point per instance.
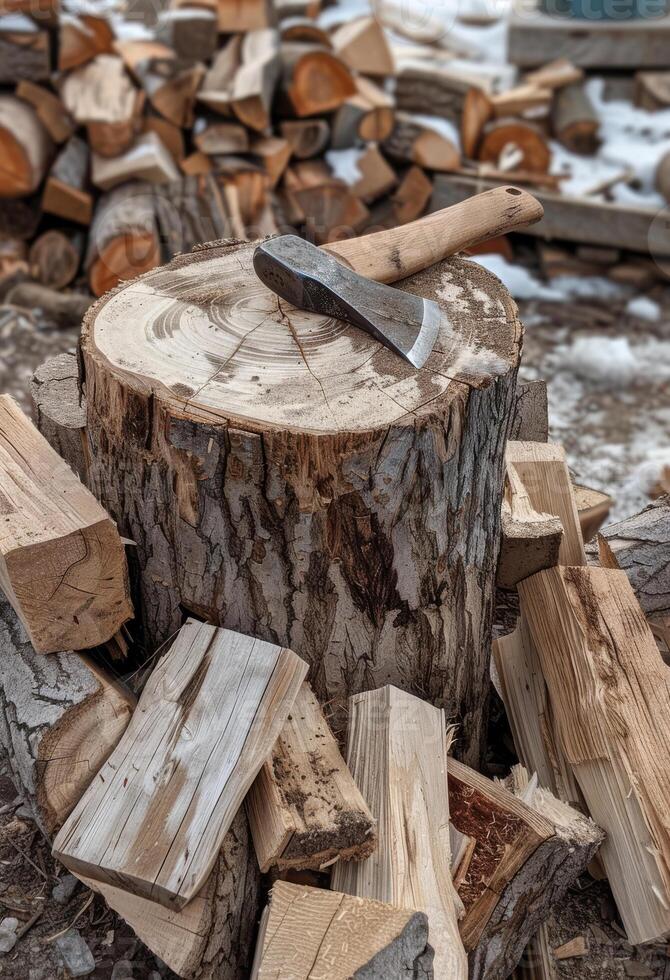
(285, 475)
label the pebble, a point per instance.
(123, 969)
(8, 929)
(64, 890)
(76, 955)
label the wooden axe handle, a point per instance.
(390, 255)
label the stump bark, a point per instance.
(285, 475)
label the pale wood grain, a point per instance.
(609, 692)
(156, 815)
(397, 753)
(62, 562)
(308, 933)
(304, 808)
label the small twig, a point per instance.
(81, 911)
(27, 858)
(30, 923)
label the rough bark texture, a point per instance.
(59, 410)
(371, 552)
(50, 706)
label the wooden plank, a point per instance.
(310, 932)
(570, 218)
(304, 808)
(610, 695)
(155, 817)
(540, 469)
(62, 562)
(397, 753)
(536, 38)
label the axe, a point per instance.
(346, 279)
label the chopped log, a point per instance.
(531, 539)
(44, 12)
(652, 90)
(217, 724)
(411, 196)
(191, 211)
(361, 44)
(528, 101)
(146, 159)
(25, 148)
(591, 637)
(328, 208)
(255, 81)
(304, 29)
(377, 177)
(220, 138)
(529, 848)
(541, 470)
(170, 135)
(242, 16)
(308, 932)
(216, 89)
(274, 154)
(196, 165)
(369, 115)
(49, 108)
(593, 508)
(192, 32)
(555, 75)
(574, 121)
(82, 38)
(24, 50)
(442, 90)
(397, 753)
(639, 546)
(20, 217)
(212, 938)
(123, 241)
(521, 135)
(524, 693)
(101, 96)
(55, 258)
(304, 808)
(412, 143)
(62, 563)
(314, 79)
(65, 192)
(61, 717)
(530, 421)
(307, 137)
(59, 410)
(170, 84)
(265, 469)
(249, 182)
(476, 112)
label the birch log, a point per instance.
(285, 475)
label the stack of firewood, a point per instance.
(124, 152)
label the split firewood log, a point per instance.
(61, 717)
(477, 110)
(81, 38)
(196, 165)
(55, 257)
(219, 138)
(170, 83)
(123, 241)
(256, 79)
(146, 159)
(652, 90)
(574, 120)
(377, 177)
(25, 148)
(191, 31)
(240, 18)
(101, 96)
(62, 562)
(59, 410)
(315, 81)
(412, 143)
(367, 116)
(304, 808)
(527, 100)
(361, 44)
(406, 203)
(308, 137)
(531, 539)
(212, 938)
(65, 190)
(274, 154)
(325, 205)
(304, 29)
(20, 217)
(193, 210)
(555, 75)
(52, 113)
(25, 50)
(397, 753)
(43, 12)
(131, 430)
(593, 508)
(519, 135)
(308, 932)
(435, 89)
(249, 182)
(216, 89)
(529, 848)
(171, 136)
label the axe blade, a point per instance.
(313, 280)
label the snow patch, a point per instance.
(644, 308)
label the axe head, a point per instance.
(311, 279)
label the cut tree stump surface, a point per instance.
(285, 475)
(155, 816)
